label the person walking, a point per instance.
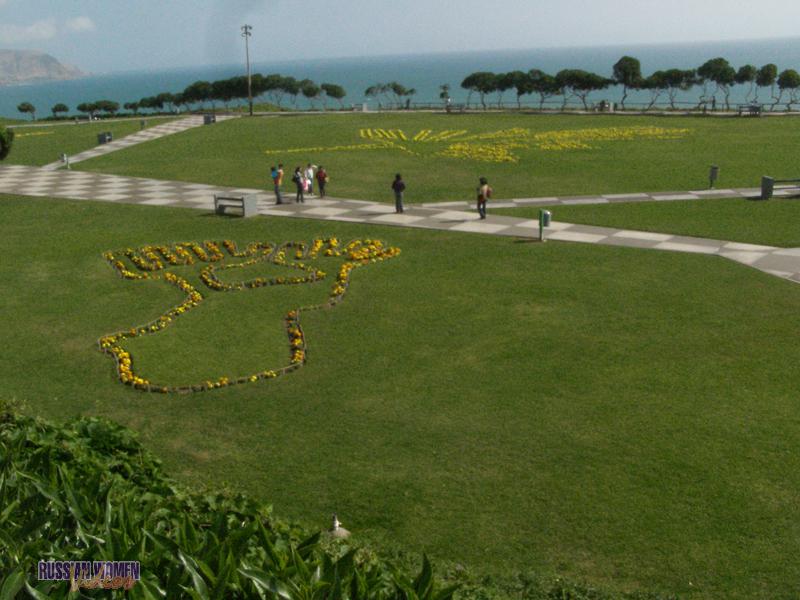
(310, 178)
(299, 181)
(399, 186)
(322, 179)
(484, 193)
(277, 180)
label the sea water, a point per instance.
(424, 72)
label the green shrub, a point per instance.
(6, 139)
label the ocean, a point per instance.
(425, 72)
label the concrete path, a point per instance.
(79, 185)
(145, 135)
(617, 198)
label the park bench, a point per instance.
(450, 108)
(768, 186)
(248, 204)
(749, 110)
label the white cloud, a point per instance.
(40, 30)
(78, 24)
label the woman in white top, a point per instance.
(309, 173)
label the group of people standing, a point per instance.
(303, 180)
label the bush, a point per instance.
(6, 139)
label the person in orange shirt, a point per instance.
(277, 179)
(484, 193)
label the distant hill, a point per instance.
(28, 66)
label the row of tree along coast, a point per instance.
(714, 79)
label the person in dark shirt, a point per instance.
(299, 180)
(399, 186)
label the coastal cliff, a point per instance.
(29, 66)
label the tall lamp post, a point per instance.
(247, 31)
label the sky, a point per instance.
(101, 36)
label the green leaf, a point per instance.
(36, 594)
(197, 579)
(422, 584)
(12, 584)
(266, 582)
(446, 593)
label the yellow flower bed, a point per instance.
(150, 262)
(33, 133)
(495, 146)
(483, 152)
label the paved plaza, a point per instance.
(53, 181)
(78, 185)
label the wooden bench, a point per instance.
(750, 110)
(247, 203)
(450, 108)
(768, 186)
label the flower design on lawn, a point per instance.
(495, 146)
(301, 260)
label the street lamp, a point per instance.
(246, 33)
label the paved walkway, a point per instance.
(151, 133)
(617, 198)
(34, 181)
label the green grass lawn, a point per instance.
(44, 143)
(622, 417)
(775, 222)
(233, 153)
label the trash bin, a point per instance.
(209, 119)
(713, 175)
(767, 187)
(104, 138)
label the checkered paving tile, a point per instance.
(34, 181)
(613, 198)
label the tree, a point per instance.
(564, 80)
(721, 73)
(107, 106)
(628, 74)
(482, 82)
(376, 91)
(789, 81)
(747, 74)
(656, 84)
(676, 80)
(523, 84)
(334, 91)
(27, 107)
(310, 90)
(398, 92)
(88, 107)
(59, 108)
(168, 99)
(767, 76)
(502, 83)
(178, 100)
(585, 83)
(542, 84)
(199, 92)
(151, 102)
(292, 87)
(576, 82)
(272, 86)
(6, 140)
(223, 91)
(134, 106)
